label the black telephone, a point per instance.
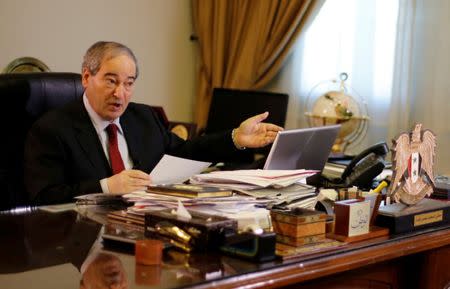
(362, 169)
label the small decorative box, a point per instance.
(298, 226)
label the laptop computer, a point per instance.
(306, 148)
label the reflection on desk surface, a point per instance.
(103, 270)
(47, 250)
(36, 239)
(64, 250)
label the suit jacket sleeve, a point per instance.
(148, 140)
(47, 170)
(57, 166)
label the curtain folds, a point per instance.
(401, 103)
(243, 44)
(421, 87)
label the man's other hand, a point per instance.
(253, 133)
(128, 181)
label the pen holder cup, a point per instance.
(149, 252)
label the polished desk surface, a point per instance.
(46, 250)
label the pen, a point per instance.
(380, 187)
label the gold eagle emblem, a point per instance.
(413, 159)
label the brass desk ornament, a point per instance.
(413, 160)
(413, 180)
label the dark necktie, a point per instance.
(113, 149)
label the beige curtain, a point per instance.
(243, 43)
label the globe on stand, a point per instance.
(330, 103)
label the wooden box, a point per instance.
(299, 226)
(293, 241)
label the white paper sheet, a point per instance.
(172, 170)
(260, 178)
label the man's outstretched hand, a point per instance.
(253, 133)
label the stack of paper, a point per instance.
(248, 179)
(239, 207)
(244, 208)
(294, 196)
(147, 201)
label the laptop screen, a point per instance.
(307, 148)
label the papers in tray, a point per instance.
(255, 178)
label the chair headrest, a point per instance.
(24, 98)
(39, 92)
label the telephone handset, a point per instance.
(363, 168)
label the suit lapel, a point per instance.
(89, 142)
(132, 137)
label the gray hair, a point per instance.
(105, 50)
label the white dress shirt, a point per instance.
(100, 127)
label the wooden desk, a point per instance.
(34, 240)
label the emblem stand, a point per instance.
(413, 180)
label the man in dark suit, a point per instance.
(69, 151)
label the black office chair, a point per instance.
(25, 97)
(229, 107)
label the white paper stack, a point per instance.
(248, 179)
(239, 207)
(145, 201)
(245, 208)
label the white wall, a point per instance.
(58, 32)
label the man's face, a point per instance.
(105, 272)
(110, 90)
